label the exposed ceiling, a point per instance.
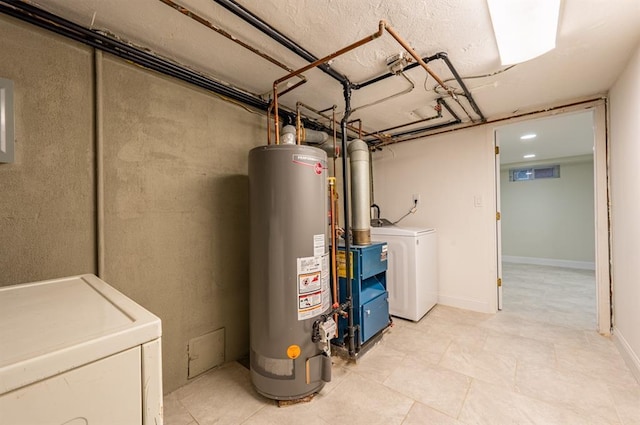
(594, 42)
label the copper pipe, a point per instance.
(327, 117)
(252, 49)
(359, 121)
(334, 241)
(269, 123)
(298, 126)
(224, 33)
(315, 64)
(418, 59)
(382, 26)
(288, 89)
(335, 137)
(438, 109)
(334, 54)
(335, 121)
(276, 119)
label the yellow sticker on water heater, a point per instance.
(293, 351)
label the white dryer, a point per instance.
(76, 351)
(412, 274)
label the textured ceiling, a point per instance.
(594, 43)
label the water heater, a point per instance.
(289, 272)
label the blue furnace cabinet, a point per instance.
(370, 296)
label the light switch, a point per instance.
(477, 201)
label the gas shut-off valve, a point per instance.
(327, 333)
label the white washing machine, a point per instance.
(75, 351)
(412, 274)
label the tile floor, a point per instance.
(536, 362)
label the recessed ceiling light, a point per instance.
(530, 155)
(528, 136)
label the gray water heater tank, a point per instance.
(289, 269)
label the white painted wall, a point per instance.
(451, 172)
(625, 208)
(550, 218)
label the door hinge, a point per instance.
(499, 282)
(497, 150)
(498, 216)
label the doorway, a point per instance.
(547, 195)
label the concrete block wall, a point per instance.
(175, 188)
(47, 204)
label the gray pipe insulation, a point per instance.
(318, 139)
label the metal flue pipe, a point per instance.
(360, 194)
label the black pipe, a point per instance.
(433, 117)
(65, 28)
(425, 129)
(467, 93)
(444, 57)
(364, 84)
(345, 191)
(243, 13)
(276, 35)
(377, 207)
(448, 108)
(61, 26)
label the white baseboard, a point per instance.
(584, 265)
(630, 357)
(465, 304)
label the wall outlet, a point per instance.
(415, 198)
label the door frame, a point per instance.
(604, 286)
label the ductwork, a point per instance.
(360, 202)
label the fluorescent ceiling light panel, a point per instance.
(530, 155)
(524, 29)
(528, 136)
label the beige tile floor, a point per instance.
(537, 362)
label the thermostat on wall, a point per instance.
(6, 121)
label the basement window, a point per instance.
(534, 173)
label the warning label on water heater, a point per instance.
(314, 296)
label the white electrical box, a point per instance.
(77, 351)
(6, 121)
